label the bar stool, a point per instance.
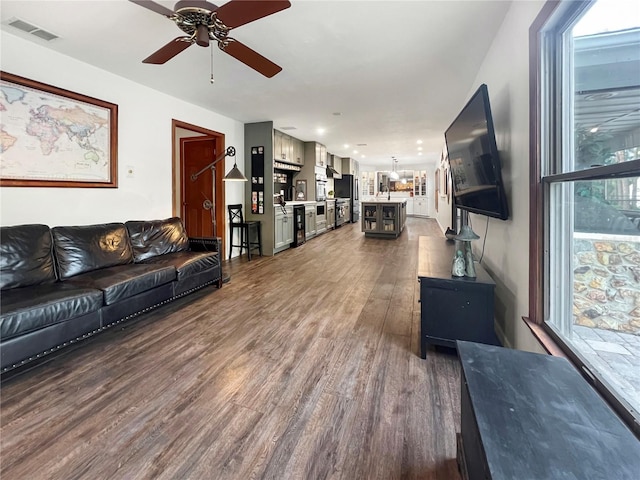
(236, 222)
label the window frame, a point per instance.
(546, 148)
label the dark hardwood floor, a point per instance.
(304, 366)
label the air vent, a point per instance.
(361, 144)
(32, 29)
(287, 128)
(48, 36)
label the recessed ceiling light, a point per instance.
(346, 145)
(419, 153)
(355, 152)
(419, 149)
(320, 131)
(362, 156)
(419, 142)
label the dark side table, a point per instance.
(452, 308)
(529, 416)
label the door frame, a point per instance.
(177, 175)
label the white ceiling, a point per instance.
(396, 71)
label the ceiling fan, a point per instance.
(203, 21)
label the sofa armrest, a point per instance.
(205, 244)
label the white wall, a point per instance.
(144, 144)
(505, 70)
(443, 214)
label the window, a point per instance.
(586, 191)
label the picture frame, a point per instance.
(51, 137)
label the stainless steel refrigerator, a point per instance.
(347, 187)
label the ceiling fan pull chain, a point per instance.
(211, 47)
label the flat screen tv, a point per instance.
(476, 174)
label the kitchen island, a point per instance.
(384, 218)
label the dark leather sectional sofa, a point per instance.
(60, 285)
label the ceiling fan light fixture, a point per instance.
(202, 35)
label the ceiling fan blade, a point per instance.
(250, 57)
(154, 7)
(169, 51)
(239, 12)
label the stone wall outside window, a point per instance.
(606, 282)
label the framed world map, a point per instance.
(50, 137)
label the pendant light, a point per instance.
(394, 175)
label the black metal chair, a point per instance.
(250, 235)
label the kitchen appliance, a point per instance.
(321, 217)
(347, 187)
(341, 211)
(331, 171)
(298, 225)
(321, 187)
(283, 184)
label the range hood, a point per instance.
(332, 172)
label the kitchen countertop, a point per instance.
(300, 202)
(307, 202)
(384, 200)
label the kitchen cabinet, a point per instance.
(331, 214)
(283, 228)
(277, 145)
(297, 149)
(420, 203)
(410, 206)
(420, 183)
(368, 184)
(310, 221)
(420, 206)
(287, 149)
(321, 155)
(383, 218)
(315, 154)
(350, 166)
(336, 162)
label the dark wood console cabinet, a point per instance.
(452, 308)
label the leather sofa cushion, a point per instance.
(28, 309)
(187, 263)
(81, 249)
(158, 237)
(123, 281)
(26, 256)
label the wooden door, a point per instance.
(199, 208)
